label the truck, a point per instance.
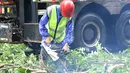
(95, 21)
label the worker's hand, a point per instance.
(48, 40)
(66, 47)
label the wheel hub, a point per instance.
(91, 34)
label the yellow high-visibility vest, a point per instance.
(57, 29)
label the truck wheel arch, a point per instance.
(126, 7)
(92, 7)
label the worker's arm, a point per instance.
(42, 26)
(69, 33)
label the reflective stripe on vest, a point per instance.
(61, 28)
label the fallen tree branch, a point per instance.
(42, 63)
(111, 68)
(106, 62)
(77, 72)
(40, 71)
(107, 51)
(2, 65)
(9, 66)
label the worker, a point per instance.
(56, 25)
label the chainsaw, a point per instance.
(55, 55)
(52, 53)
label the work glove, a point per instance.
(66, 47)
(48, 40)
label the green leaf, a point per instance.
(22, 70)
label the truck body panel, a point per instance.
(24, 27)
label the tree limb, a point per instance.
(9, 66)
(111, 68)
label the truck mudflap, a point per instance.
(4, 32)
(31, 33)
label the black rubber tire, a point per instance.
(120, 27)
(83, 22)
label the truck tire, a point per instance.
(122, 29)
(90, 30)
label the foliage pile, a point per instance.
(14, 60)
(100, 61)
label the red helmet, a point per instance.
(53, 0)
(67, 8)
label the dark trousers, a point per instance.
(58, 63)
